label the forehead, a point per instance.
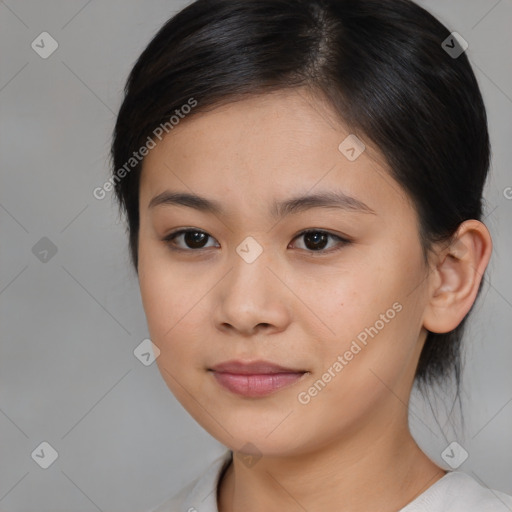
(265, 147)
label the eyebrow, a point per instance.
(294, 205)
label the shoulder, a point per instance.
(200, 495)
(460, 492)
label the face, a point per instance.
(340, 307)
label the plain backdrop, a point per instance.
(71, 315)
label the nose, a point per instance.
(252, 298)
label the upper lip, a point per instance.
(252, 367)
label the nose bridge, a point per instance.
(251, 292)
(250, 261)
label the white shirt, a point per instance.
(454, 492)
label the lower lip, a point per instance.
(256, 385)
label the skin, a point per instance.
(350, 447)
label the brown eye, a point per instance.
(194, 239)
(317, 240)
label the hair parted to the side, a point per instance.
(380, 66)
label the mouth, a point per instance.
(255, 379)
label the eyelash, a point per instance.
(168, 239)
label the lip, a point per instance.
(253, 367)
(255, 378)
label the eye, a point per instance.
(316, 240)
(195, 239)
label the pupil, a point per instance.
(191, 239)
(315, 237)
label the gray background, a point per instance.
(68, 374)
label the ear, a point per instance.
(456, 276)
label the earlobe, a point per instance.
(457, 275)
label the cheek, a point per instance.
(164, 294)
(171, 329)
(176, 307)
(360, 368)
(353, 299)
(373, 321)
(156, 299)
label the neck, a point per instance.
(379, 466)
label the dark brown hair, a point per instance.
(381, 66)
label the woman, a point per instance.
(303, 187)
